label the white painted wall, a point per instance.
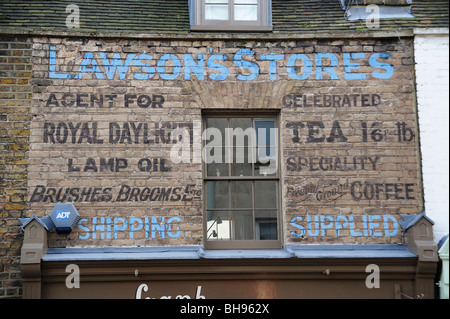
(432, 79)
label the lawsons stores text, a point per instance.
(217, 67)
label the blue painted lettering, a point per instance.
(52, 66)
(373, 226)
(388, 221)
(135, 225)
(197, 67)
(223, 70)
(353, 233)
(84, 229)
(252, 67)
(116, 64)
(330, 69)
(307, 67)
(316, 226)
(176, 66)
(148, 70)
(301, 230)
(373, 62)
(365, 227)
(84, 67)
(129, 228)
(340, 225)
(169, 66)
(124, 224)
(98, 227)
(177, 228)
(326, 222)
(349, 66)
(273, 58)
(158, 227)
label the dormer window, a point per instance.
(377, 9)
(231, 15)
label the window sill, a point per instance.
(233, 28)
(243, 244)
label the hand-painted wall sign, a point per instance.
(317, 132)
(336, 225)
(331, 100)
(171, 67)
(358, 191)
(119, 227)
(119, 133)
(332, 163)
(125, 193)
(81, 100)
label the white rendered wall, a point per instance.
(432, 79)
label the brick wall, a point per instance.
(15, 117)
(382, 137)
(102, 111)
(349, 160)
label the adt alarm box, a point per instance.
(64, 216)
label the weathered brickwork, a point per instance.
(89, 121)
(104, 110)
(15, 117)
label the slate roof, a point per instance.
(329, 16)
(150, 16)
(98, 15)
(410, 220)
(45, 222)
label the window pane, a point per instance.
(218, 225)
(266, 225)
(242, 226)
(216, 12)
(216, 163)
(266, 161)
(241, 131)
(265, 133)
(215, 131)
(246, 12)
(241, 194)
(241, 209)
(215, 156)
(217, 195)
(244, 1)
(242, 163)
(265, 194)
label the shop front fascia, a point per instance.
(190, 272)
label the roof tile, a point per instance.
(289, 16)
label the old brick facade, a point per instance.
(349, 146)
(349, 155)
(93, 119)
(15, 118)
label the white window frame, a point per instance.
(262, 24)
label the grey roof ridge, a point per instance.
(165, 35)
(197, 252)
(46, 222)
